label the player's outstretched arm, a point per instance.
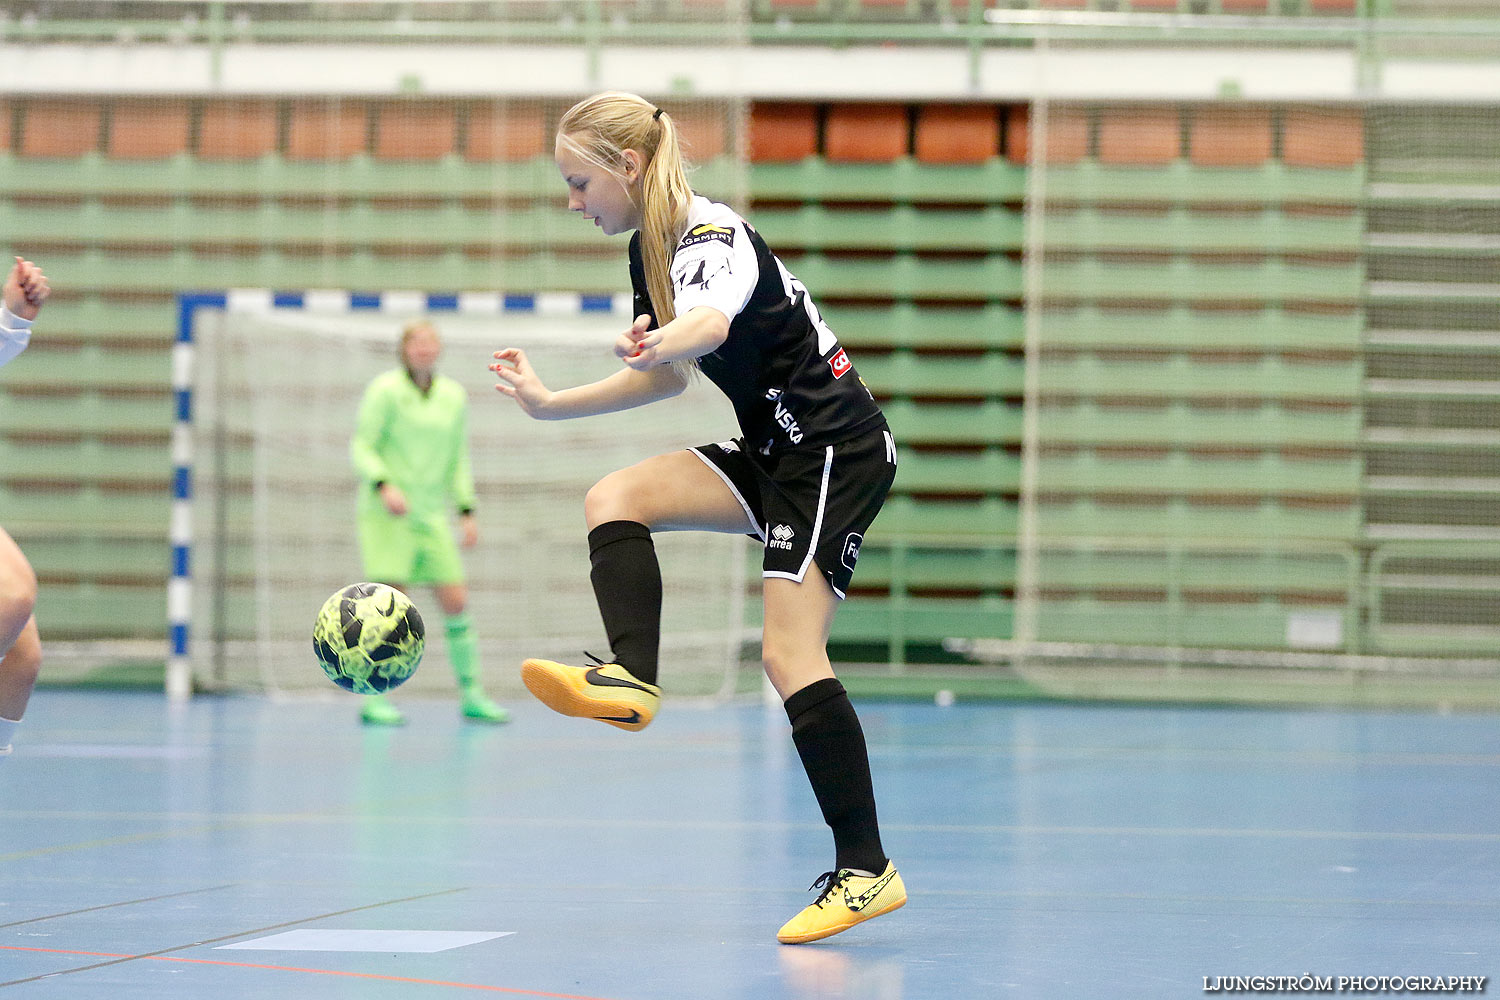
(624, 389)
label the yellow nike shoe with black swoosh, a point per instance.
(604, 691)
(847, 899)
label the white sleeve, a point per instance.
(714, 266)
(15, 334)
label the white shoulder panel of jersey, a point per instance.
(12, 343)
(15, 334)
(714, 264)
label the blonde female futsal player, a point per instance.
(20, 646)
(807, 477)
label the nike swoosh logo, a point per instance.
(632, 718)
(857, 903)
(598, 679)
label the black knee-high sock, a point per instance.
(832, 747)
(627, 585)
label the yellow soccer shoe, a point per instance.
(847, 899)
(605, 691)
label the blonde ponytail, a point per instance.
(601, 128)
(664, 207)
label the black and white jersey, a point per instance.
(781, 366)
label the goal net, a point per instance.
(275, 397)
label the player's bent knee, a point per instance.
(23, 663)
(616, 497)
(790, 669)
(17, 601)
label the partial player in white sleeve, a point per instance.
(20, 646)
(25, 291)
(807, 475)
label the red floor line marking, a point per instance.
(317, 972)
(62, 951)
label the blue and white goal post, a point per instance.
(267, 386)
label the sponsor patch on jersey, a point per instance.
(700, 273)
(840, 364)
(704, 233)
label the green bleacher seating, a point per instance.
(58, 555)
(923, 568)
(1211, 624)
(1181, 472)
(1181, 183)
(84, 460)
(139, 320)
(1274, 280)
(1179, 424)
(1179, 327)
(86, 411)
(978, 472)
(97, 270)
(991, 422)
(989, 326)
(86, 610)
(357, 177)
(275, 224)
(897, 228)
(980, 521)
(904, 181)
(85, 505)
(915, 619)
(1269, 570)
(907, 373)
(1184, 230)
(909, 276)
(1332, 518)
(1270, 376)
(1200, 369)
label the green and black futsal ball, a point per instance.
(369, 638)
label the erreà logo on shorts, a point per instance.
(781, 537)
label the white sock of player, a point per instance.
(7, 730)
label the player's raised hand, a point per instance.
(26, 289)
(519, 381)
(637, 345)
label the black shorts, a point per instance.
(809, 504)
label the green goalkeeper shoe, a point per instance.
(475, 707)
(848, 898)
(377, 711)
(605, 691)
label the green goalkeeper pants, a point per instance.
(408, 550)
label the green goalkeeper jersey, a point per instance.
(416, 441)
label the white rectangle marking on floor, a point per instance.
(388, 941)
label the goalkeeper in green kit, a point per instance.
(411, 451)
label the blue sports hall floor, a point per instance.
(235, 847)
